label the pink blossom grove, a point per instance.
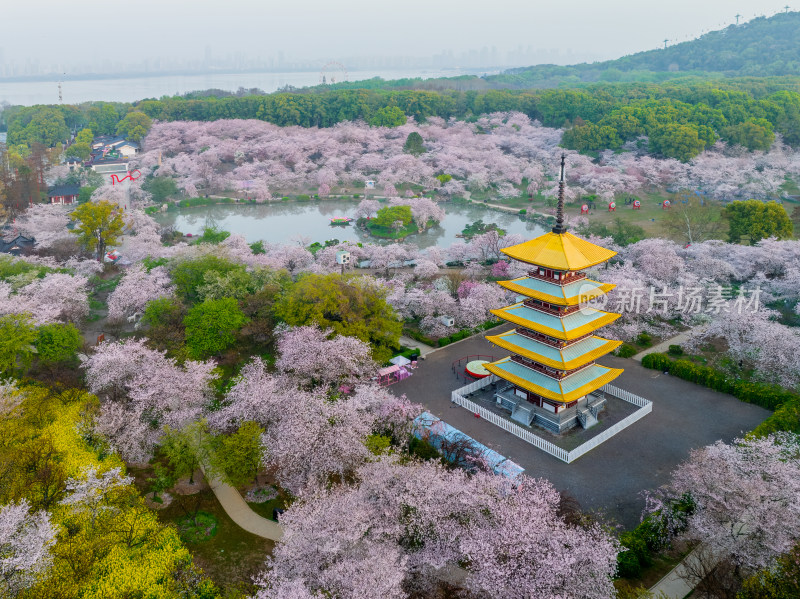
(514, 149)
(356, 540)
(746, 498)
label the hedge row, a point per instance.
(761, 394)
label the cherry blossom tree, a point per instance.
(426, 269)
(423, 210)
(324, 190)
(477, 301)
(746, 498)
(57, 297)
(137, 287)
(25, 541)
(367, 208)
(47, 223)
(314, 357)
(147, 391)
(88, 492)
(10, 398)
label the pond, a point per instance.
(283, 222)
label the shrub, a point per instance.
(644, 339)
(626, 351)
(523, 211)
(213, 235)
(423, 449)
(675, 350)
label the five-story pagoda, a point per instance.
(552, 371)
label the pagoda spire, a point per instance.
(560, 228)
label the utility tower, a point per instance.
(786, 8)
(737, 18)
(665, 44)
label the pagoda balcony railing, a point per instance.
(564, 280)
(552, 373)
(552, 342)
(533, 305)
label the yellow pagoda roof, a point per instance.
(563, 390)
(570, 294)
(559, 251)
(566, 358)
(571, 326)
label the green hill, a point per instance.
(761, 47)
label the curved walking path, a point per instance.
(676, 584)
(664, 345)
(237, 509)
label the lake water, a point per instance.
(28, 93)
(283, 222)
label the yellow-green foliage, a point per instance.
(118, 550)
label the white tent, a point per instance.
(400, 361)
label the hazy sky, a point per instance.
(61, 31)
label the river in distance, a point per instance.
(28, 93)
(287, 222)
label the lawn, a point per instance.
(389, 233)
(228, 555)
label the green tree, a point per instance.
(753, 134)
(186, 449)
(85, 136)
(85, 194)
(388, 215)
(134, 126)
(98, 225)
(79, 150)
(757, 220)
(57, 342)
(350, 305)
(211, 327)
(239, 454)
(677, 141)
(692, 222)
(189, 275)
(591, 138)
(388, 116)
(164, 319)
(779, 582)
(17, 336)
(104, 117)
(39, 124)
(161, 188)
(414, 144)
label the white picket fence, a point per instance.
(645, 407)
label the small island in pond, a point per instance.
(479, 228)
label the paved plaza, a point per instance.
(610, 477)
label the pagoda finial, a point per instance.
(560, 228)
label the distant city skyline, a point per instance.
(50, 37)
